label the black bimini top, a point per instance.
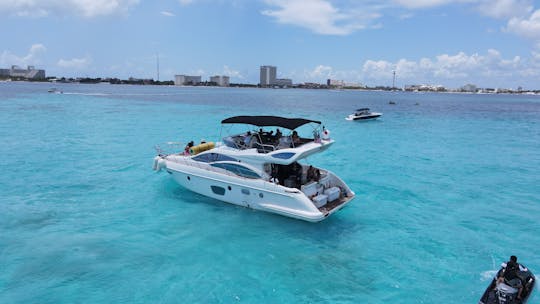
(363, 109)
(269, 121)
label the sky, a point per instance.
(489, 43)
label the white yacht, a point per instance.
(363, 114)
(262, 170)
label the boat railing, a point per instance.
(263, 146)
(168, 148)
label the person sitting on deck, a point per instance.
(295, 139)
(278, 134)
(247, 139)
(188, 146)
(509, 275)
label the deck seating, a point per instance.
(311, 189)
(320, 200)
(332, 193)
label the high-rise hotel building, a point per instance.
(268, 75)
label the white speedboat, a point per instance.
(262, 170)
(363, 114)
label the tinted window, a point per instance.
(238, 170)
(218, 190)
(212, 157)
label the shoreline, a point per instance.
(250, 86)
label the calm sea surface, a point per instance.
(446, 191)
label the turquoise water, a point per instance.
(446, 191)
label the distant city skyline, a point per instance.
(450, 43)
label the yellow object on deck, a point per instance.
(201, 148)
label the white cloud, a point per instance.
(529, 28)
(378, 69)
(86, 8)
(321, 71)
(227, 71)
(331, 17)
(504, 9)
(74, 63)
(167, 14)
(7, 58)
(452, 68)
(319, 16)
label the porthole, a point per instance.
(188, 178)
(245, 191)
(261, 195)
(229, 187)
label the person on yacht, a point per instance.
(188, 146)
(248, 138)
(297, 174)
(274, 175)
(313, 174)
(278, 134)
(295, 139)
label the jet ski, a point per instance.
(506, 292)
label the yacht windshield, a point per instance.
(237, 169)
(212, 157)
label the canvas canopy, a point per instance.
(270, 121)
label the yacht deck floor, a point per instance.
(333, 204)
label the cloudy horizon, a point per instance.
(440, 42)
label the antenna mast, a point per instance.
(157, 61)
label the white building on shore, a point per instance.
(222, 81)
(180, 80)
(29, 73)
(283, 82)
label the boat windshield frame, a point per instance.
(292, 140)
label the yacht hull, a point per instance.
(256, 194)
(363, 117)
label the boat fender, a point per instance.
(162, 164)
(326, 134)
(201, 148)
(159, 163)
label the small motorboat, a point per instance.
(55, 90)
(507, 292)
(363, 114)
